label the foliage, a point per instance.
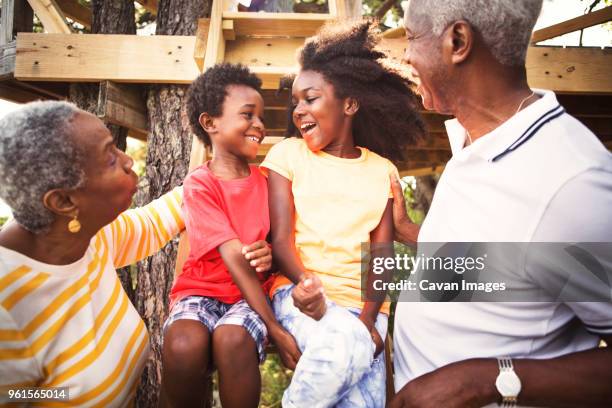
(3, 220)
(274, 379)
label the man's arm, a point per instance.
(579, 379)
(406, 231)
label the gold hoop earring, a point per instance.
(74, 225)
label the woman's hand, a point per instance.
(288, 349)
(259, 255)
(309, 297)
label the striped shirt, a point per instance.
(73, 325)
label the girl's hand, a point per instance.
(309, 297)
(288, 349)
(259, 255)
(376, 338)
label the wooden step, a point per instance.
(275, 24)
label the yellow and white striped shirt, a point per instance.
(73, 325)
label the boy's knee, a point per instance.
(186, 343)
(233, 342)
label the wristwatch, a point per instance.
(507, 383)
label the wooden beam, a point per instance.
(99, 57)
(6, 20)
(578, 23)
(150, 5)
(263, 52)
(587, 105)
(76, 12)
(276, 24)
(215, 44)
(576, 70)
(50, 15)
(422, 171)
(7, 60)
(199, 51)
(124, 105)
(228, 30)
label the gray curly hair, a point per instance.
(505, 25)
(37, 154)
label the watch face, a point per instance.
(508, 384)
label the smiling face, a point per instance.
(319, 115)
(239, 130)
(110, 182)
(426, 60)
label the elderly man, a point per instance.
(522, 170)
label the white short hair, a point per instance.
(505, 25)
(37, 154)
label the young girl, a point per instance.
(329, 192)
(219, 312)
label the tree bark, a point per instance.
(109, 17)
(169, 147)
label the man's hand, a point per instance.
(405, 230)
(469, 383)
(288, 349)
(309, 297)
(259, 255)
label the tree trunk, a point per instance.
(169, 146)
(109, 17)
(425, 188)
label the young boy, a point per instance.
(218, 307)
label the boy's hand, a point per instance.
(259, 255)
(288, 349)
(309, 297)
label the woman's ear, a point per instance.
(351, 106)
(207, 122)
(60, 202)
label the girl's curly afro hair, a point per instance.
(346, 55)
(208, 91)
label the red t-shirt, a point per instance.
(216, 211)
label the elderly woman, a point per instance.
(65, 320)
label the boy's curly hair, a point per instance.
(208, 91)
(346, 55)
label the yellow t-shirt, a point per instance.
(338, 203)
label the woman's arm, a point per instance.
(381, 245)
(140, 232)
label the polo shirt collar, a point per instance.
(507, 136)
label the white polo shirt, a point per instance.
(552, 185)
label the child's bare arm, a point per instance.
(381, 240)
(246, 279)
(308, 298)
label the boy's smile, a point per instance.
(239, 130)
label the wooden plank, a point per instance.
(215, 44)
(586, 105)
(23, 20)
(199, 51)
(124, 105)
(566, 70)
(99, 57)
(10, 92)
(150, 5)
(276, 24)
(50, 15)
(580, 70)
(578, 23)
(6, 20)
(263, 52)
(22, 92)
(228, 30)
(422, 171)
(7, 60)
(76, 11)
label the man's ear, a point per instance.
(351, 106)
(60, 202)
(207, 122)
(458, 41)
